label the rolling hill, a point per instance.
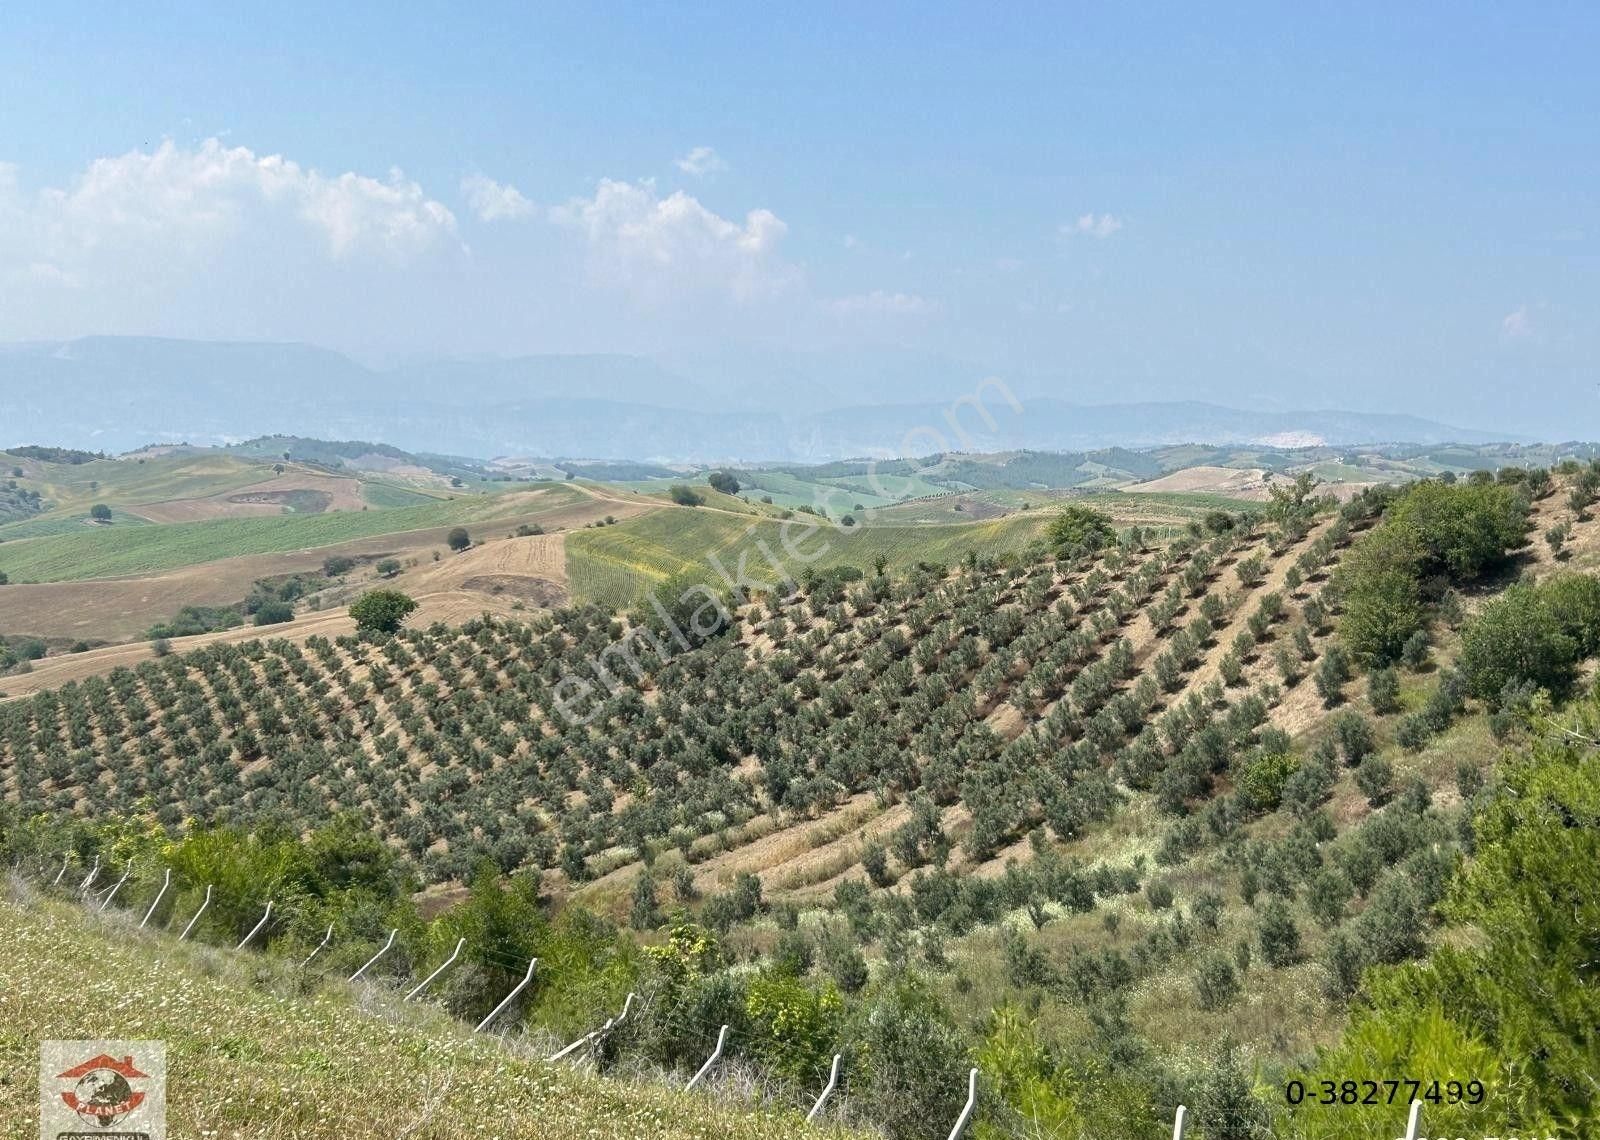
(1043, 806)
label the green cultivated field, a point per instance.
(115, 550)
(616, 564)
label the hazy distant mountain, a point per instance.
(116, 393)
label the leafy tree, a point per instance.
(1355, 737)
(382, 611)
(1277, 933)
(644, 913)
(337, 565)
(458, 539)
(1227, 1104)
(1216, 983)
(387, 567)
(1262, 782)
(1517, 1004)
(1375, 778)
(1464, 531)
(1383, 691)
(1382, 593)
(1078, 529)
(723, 481)
(100, 513)
(685, 495)
(274, 612)
(1574, 601)
(1333, 673)
(1517, 637)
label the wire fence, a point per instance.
(732, 1041)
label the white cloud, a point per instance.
(658, 248)
(189, 199)
(882, 303)
(702, 162)
(1517, 324)
(1092, 225)
(493, 201)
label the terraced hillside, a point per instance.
(1128, 799)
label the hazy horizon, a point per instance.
(1279, 212)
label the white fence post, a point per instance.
(716, 1055)
(65, 859)
(83, 887)
(443, 966)
(1415, 1120)
(972, 1103)
(116, 888)
(1180, 1122)
(376, 956)
(611, 1023)
(522, 985)
(833, 1083)
(161, 894)
(321, 946)
(256, 929)
(197, 915)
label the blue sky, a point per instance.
(1243, 204)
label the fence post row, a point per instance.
(1179, 1125)
(256, 929)
(161, 894)
(611, 1023)
(376, 956)
(716, 1055)
(522, 985)
(972, 1103)
(326, 938)
(833, 1082)
(197, 915)
(443, 966)
(115, 889)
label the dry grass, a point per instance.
(254, 1051)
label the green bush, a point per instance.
(1518, 636)
(382, 611)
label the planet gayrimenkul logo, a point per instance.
(111, 1090)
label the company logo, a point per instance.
(113, 1090)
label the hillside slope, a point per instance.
(253, 1049)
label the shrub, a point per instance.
(458, 539)
(1277, 933)
(1159, 894)
(685, 495)
(1216, 983)
(908, 1048)
(337, 565)
(274, 612)
(1262, 782)
(1332, 675)
(1078, 529)
(382, 611)
(387, 567)
(1383, 691)
(1517, 637)
(1375, 778)
(1354, 735)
